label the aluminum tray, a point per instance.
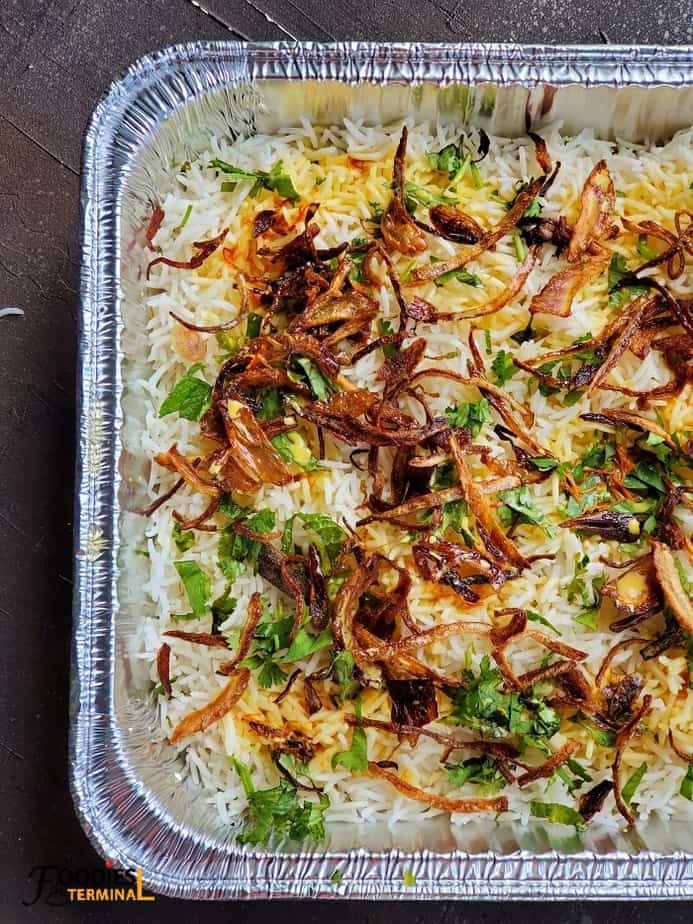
(121, 774)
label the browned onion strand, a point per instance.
(163, 668)
(215, 709)
(245, 641)
(445, 803)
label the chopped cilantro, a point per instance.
(482, 771)
(533, 210)
(621, 295)
(376, 212)
(448, 160)
(604, 737)
(643, 249)
(271, 637)
(544, 463)
(278, 811)
(587, 593)
(520, 500)
(416, 195)
(342, 671)
(503, 368)
(461, 275)
(356, 758)
(327, 535)
(471, 416)
(276, 180)
(483, 705)
(305, 643)
(234, 549)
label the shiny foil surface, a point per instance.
(122, 772)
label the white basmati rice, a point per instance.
(652, 182)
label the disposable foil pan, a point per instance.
(160, 111)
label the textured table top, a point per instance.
(56, 58)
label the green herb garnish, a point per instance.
(632, 783)
(190, 397)
(279, 812)
(197, 585)
(471, 416)
(276, 180)
(559, 814)
(356, 758)
(503, 368)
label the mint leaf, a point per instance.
(305, 644)
(319, 385)
(632, 783)
(197, 585)
(190, 396)
(292, 447)
(537, 617)
(558, 814)
(328, 535)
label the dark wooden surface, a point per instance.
(56, 58)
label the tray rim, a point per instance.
(644, 876)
